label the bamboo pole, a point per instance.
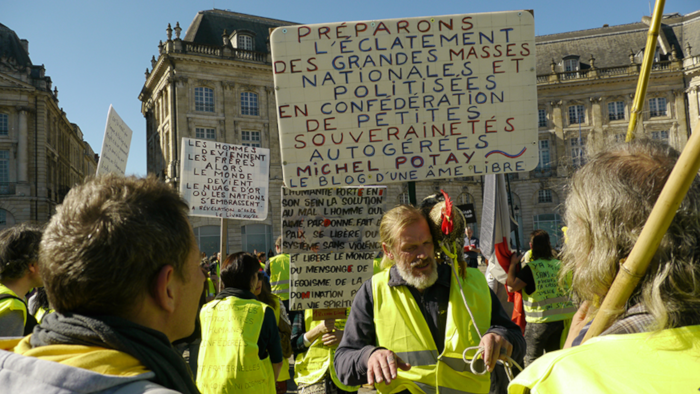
(645, 71)
(634, 268)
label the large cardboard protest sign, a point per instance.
(225, 180)
(115, 145)
(332, 237)
(406, 99)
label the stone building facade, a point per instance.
(42, 154)
(216, 82)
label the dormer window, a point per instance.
(245, 42)
(571, 63)
(243, 39)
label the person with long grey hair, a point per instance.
(656, 339)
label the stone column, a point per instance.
(22, 163)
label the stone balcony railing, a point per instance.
(224, 52)
(610, 72)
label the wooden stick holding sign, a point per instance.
(634, 268)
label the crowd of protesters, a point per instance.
(114, 296)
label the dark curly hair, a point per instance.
(19, 247)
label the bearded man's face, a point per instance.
(413, 253)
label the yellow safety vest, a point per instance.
(311, 366)
(377, 265)
(228, 359)
(41, 312)
(401, 327)
(650, 362)
(211, 290)
(284, 373)
(12, 304)
(548, 303)
(279, 276)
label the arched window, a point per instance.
(203, 99)
(208, 239)
(6, 218)
(249, 104)
(245, 42)
(256, 237)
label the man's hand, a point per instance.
(495, 347)
(327, 325)
(381, 366)
(579, 321)
(332, 338)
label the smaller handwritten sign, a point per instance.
(115, 145)
(225, 180)
(326, 314)
(332, 237)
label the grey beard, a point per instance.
(419, 282)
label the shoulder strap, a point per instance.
(6, 296)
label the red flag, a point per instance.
(495, 238)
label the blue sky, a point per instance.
(96, 52)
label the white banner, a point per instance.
(225, 180)
(115, 145)
(332, 237)
(399, 100)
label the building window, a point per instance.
(544, 196)
(208, 238)
(657, 106)
(203, 99)
(551, 223)
(660, 135)
(245, 42)
(250, 138)
(576, 114)
(3, 217)
(403, 199)
(4, 172)
(571, 65)
(4, 124)
(616, 110)
(256, 237)
(544, 164)
(541, 118)
(578, 151)
(205, 134)
(249, 103)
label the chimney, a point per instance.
(25, 45)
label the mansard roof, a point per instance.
(208, 27)
(611, 45)
(11, 47)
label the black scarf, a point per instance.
(234, 292)
(152, 348)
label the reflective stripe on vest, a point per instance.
(312, 365)
(401, 327)
(548, 303)
(228, 355)
(12, 303)
(279, 276)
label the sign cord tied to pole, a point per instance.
(476, 364)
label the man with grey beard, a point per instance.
(409, 326)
